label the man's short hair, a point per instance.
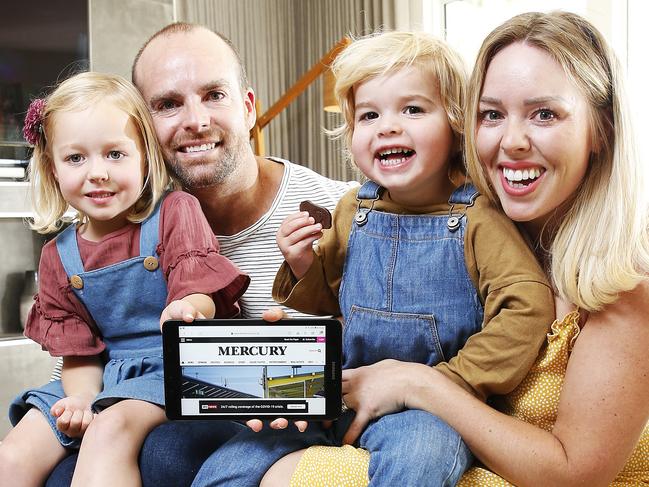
(186, 27)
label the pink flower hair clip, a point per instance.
(34, 121)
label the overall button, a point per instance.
(76, 282)
(151, 263)
(361, 216)
(453, 223)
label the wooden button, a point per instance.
(151, 263)
(76, 282)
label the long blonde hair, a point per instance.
(601, 247)
(78, 93)
(384, 52)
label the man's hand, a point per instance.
(295, 239)
(73, 414)
(256, 425)
(180, 310)
(271, 315)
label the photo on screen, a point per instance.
(252, 381)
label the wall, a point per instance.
(118, 28)
(23, 365)
(20, 252)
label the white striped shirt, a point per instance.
(254, 250)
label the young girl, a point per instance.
(134, 259)
(415, 265)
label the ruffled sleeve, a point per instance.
(190, 258)
(58, 321)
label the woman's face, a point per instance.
(533, 134)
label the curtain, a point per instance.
(279, 40)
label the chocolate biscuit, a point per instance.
(320, 214)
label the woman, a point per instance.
(548, 139)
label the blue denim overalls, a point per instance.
(125, 300)
(405, 294)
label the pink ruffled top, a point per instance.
(189, 257)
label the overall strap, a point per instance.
(369, 191)
(66, 245)
(464, 195)
(149, 230)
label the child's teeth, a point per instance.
(392, 162)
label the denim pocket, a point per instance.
(371, 335)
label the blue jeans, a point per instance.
(409, 448)
(171, 455)
(244, 460)
(414, 448)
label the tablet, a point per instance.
(244, 369)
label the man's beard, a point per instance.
(211, 170)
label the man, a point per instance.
(203, 109)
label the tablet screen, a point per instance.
(254, 370)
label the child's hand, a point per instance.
(180, 310)
(73, 414)
(295, 239)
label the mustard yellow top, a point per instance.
(535, 400)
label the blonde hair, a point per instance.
(78, 93)
(381, 53)
(601, 247)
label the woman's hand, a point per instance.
(374, 391)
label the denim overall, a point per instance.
(125, 300)
(405, 294)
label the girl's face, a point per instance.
(98, 164)
(533, 134)
(402, 139)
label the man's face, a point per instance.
(190, 82)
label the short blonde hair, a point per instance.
(78, 93)
(384, 52)
(601, 247)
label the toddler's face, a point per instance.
(402, 139)
(98, 164)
